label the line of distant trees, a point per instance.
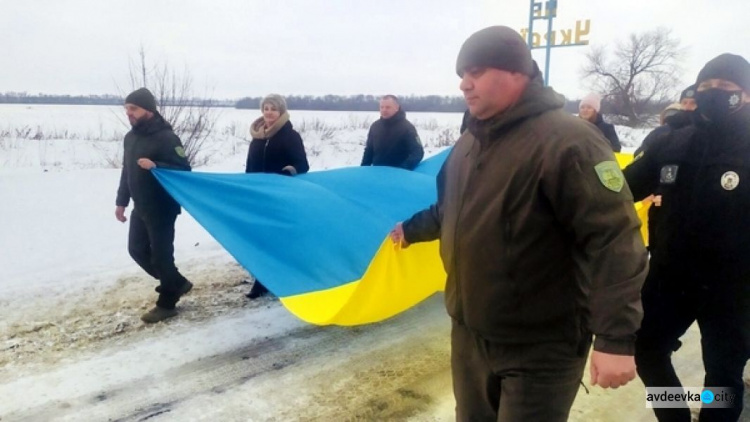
(106, 99)
(428, 103)
(434, 103)
(362, 102)
(24, 98)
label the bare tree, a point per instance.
(642, 71)
(192, 118)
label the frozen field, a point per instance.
(72, 346)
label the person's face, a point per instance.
(270, 114)
(489, 91)
(688, 104)
(388, 108)
(587, 112)
(723, 85)
(136, 114)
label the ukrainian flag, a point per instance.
(319, 241)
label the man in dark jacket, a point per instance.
(540, 241)
(700, 267)
(588, 109)
(392, 140)
(151, 143)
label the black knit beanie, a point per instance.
(143, 98)
(688, 92)
(729, 67)
(497, 47)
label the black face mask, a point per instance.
(717, 105)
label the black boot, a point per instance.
(258, 290)
(185, 288)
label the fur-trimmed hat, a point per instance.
(143, 98)
(729, 67)
(592, 100)
(497, 47)
(275, 100)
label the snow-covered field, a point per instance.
(72, 346)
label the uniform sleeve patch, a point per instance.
(180, 151)
(610, 175)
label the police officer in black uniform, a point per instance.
(700, 267)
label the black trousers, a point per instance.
(151, 245)
(723, 315)
(514, 382)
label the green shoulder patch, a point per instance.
(610, 175)
(180, 151)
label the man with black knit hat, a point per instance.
(540, 241)
(151, 143)
(700, 268)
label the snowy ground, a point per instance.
(72, 346)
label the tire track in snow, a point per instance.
(376, 362)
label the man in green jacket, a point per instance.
(540, 241)
(151, 143)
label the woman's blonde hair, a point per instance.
(276, 100)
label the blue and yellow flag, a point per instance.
(319, 241)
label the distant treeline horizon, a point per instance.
(360, 102)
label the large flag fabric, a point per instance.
(319, 241)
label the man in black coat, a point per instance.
(392, 140)
(151, 143)
(700, 267)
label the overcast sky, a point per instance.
(237, 48)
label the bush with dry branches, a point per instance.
(193, 119)
(642, 71)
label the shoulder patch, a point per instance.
(180, 151)
(668, 174)
(610, 175)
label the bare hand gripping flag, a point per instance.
(319, 241)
